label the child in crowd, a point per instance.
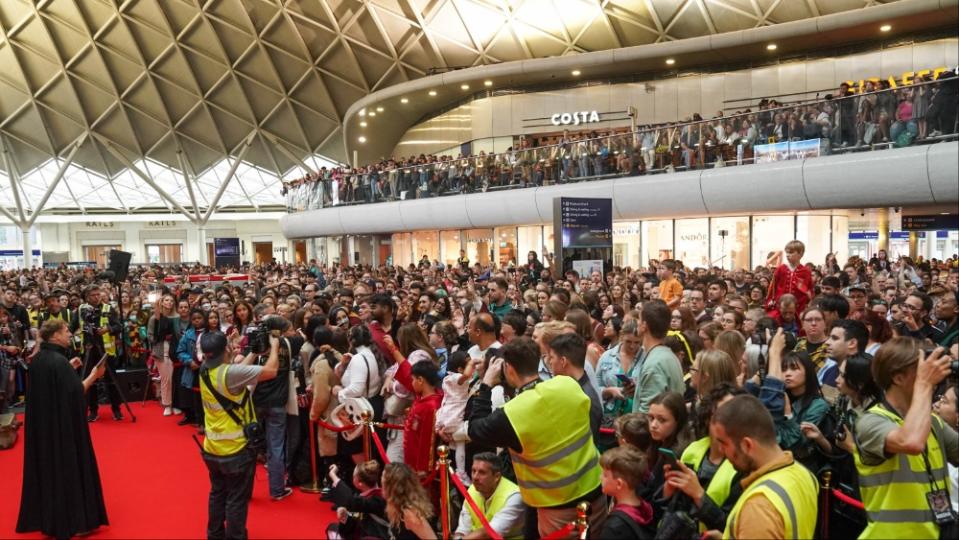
(670, 290)
(631, 517)
(633, 430)
(362, 514)
(418, 439)
(449, 418)
(790, 277)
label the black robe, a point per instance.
(61, 493)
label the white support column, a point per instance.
(201, 245)
(27, 249)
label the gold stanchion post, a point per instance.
(367, 426)
(582, 521)
(443, 464)
(314, 486)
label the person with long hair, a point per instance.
(362, 378)
(669, 430)
(408, 506)
(584, 327)
(186, 352)
(161, 335)
(322, 367)
(682, 319)
(413, 347)
(711, 369)
(708, 332)
(733, 344)
(880, 331)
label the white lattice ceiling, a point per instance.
(150, 77)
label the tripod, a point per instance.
(96, 350)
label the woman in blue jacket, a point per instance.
(186, 354)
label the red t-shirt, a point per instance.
(419, 431)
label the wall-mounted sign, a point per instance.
(586, 222)
(930, 222)
(99, 224)
(226, 252)
(574, 118)
(161, 224)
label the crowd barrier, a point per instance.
(443, 470)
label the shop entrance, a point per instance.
(98, 254)
(263, 252)
(164, 253)
(299, 252)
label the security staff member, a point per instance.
(780, 495)
(53, 311)
(230, 462)
(99, 326)
(555, 461)
(903, 447)
(497, 497)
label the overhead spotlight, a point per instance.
(576, 73)
(464, 87)
(885, 28)
(488, 83)
(362, 112)
(432, 93)
(404, 100)
(362, 139)
(379, 109)
(362, 124)
(772, 47)
(371, 113)
(670, 61)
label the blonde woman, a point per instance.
(161, 333)
(408, 506)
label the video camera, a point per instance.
(759, 338)
(258, 337)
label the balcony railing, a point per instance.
(921, 113)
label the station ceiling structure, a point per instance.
(199, 105)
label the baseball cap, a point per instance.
(213, 344)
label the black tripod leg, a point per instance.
(123, 397)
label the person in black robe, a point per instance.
(61, 494)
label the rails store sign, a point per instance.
(574, 118)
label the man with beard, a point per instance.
(61, 494)
(779, 497)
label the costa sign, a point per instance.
(574, 118)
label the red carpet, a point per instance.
(156, 485)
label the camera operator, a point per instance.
(100, 327)
(231, 461)
(270, 400)
(903, 449)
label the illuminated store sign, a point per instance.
(574, 119)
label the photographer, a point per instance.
(903, 448)
(99, 326)
(270, 401)
(229, 458)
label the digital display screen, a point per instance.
(586, 222)
(226, 247)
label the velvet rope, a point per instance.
(379, 447)
(469, 500)
(847, 499)
(333, 428)
(426, 480)
(607, 430)
(384, 425)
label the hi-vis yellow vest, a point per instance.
(109, 343)
(494, 504)
(559, 462)
(223, 436)
(894, 491)
(793, 491)
(721, 483)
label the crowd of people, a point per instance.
(674, 401)
(878, 115)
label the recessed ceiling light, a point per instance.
(576, 73)
(404, 100)
(362, 139)
(464, 87)
(379, 109)
(885, 28)
(670, 61)
(432, 92)
(771, 47)
(362, 112)
(372, 113)
(362, 124)
(488, 83)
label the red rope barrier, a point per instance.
(384, 425)
(469, 500)
(562, 533)
(379, 447)
(333, 428)
(427, 479)
(847, 499)
(607, 430)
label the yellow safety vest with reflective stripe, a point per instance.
(722, 481)
(33, 315)
(559, 462)
(493, 505)
(793, 491)
(894, 491)
(224, 436)
(109, 342)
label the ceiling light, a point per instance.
(488, 83)
(576, 73)
(885, 28)
(362, 112)
(372, 113)
(771, 47)
(670, 61)
(362, 139)
(432, 93)
(464, 87)
(362, 124)
(379, 109)
(404, 100)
